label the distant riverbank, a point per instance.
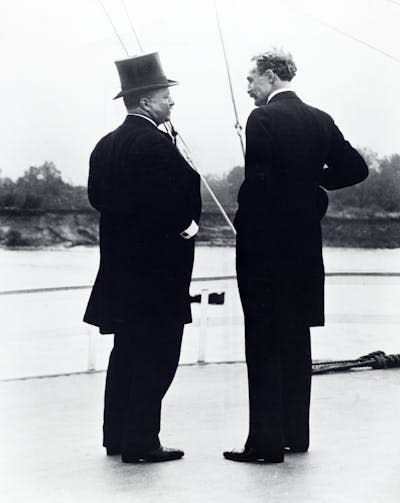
(37, 229)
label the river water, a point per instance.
(21, 269)
(43, 333)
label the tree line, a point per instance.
(43, 188)
(378, 195)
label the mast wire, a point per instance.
(393, 1)
(186, 153)
(352, 37)
(132, 26)
(112, 24)
(237, 126)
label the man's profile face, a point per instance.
(258, 87)
(160, 104)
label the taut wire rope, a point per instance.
(356, 39)
(113, 27)
(345, 33)
(132, 26)
(394, 1)
(238, 126)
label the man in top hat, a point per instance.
(149, 203)
(279, 251)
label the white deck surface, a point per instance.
(50, 428)
(51, 443)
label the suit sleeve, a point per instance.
(258, 147)
(345, 166)
(258, 162)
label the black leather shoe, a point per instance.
(154, 456)
(113, 451)
(251, 455)
(296, 448)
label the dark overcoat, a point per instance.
(288, 144)
(146, 194)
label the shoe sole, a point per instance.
(294, 450)
(146, 459)
(256, 460)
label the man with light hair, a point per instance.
(292, 150)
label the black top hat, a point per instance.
(141, 72)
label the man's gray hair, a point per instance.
(277, 60)
(132, 100)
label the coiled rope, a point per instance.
(374, 360)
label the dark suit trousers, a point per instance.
(278, 356)
(142, 366)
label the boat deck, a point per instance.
(51, 443)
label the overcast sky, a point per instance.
(58, 73)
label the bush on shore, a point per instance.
(379, 194)
(43, 188)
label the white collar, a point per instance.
(144, 117)
(277, 91)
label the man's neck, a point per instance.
(279, 90)
(141, 114)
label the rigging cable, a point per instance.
(114, 28)
(132, 26)
(352, 37)
(219, 205)
(393, 1)
(173, 132)
(348, 35)
(238, 126)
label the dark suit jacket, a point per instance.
(146, 194)
(278, 221)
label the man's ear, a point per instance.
(270, 76)
(144, 103)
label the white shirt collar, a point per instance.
(277, 91)
(144, 117)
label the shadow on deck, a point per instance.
(51, 443)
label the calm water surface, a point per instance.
(43, 333)
(77, 266)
